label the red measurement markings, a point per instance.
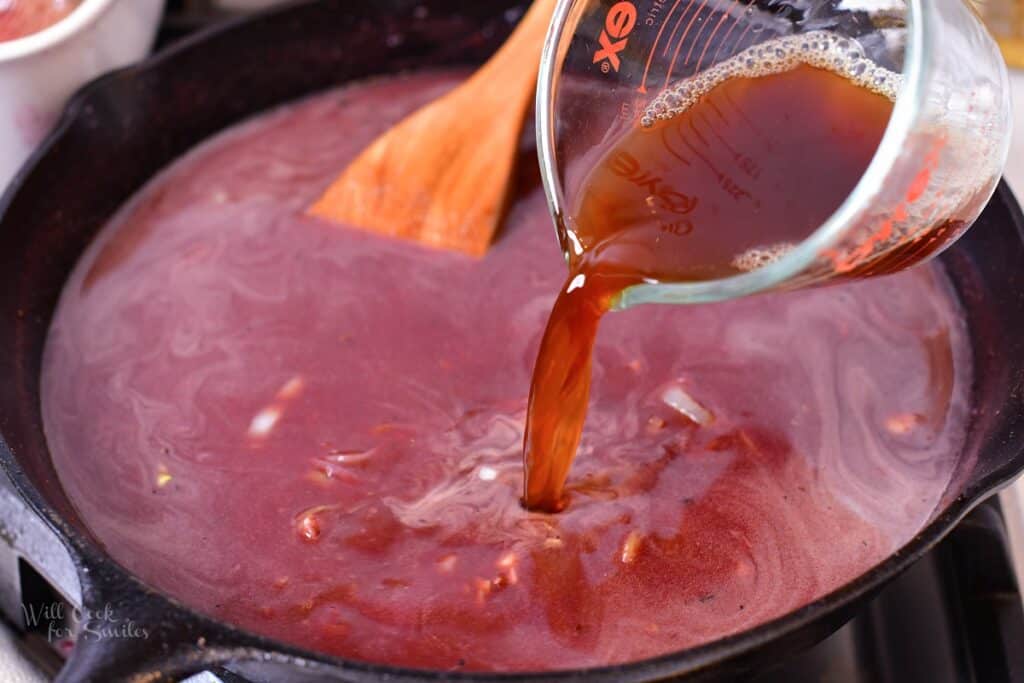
(697, 40)
(743, 34)
(745, 119)
(679, 46)
(711, 38)
(679, 22)
(669, 146)
(724, 181)
(654, 47)
(745, 163)
(714, 108)
(743, 13)
(714, 131)
(671, 36)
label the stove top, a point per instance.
(956, 616)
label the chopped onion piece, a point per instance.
(291, 388)
(309, 528)
(507, 560)
(631, 548)
(264, 422)
(163, 477)
(903, 423)
(676, 398)
(307, 523)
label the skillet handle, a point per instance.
(122, 661)
(137, 638)
(140, 635)
(115, 660)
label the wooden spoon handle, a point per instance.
(441, 176)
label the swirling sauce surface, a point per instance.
(317, 434)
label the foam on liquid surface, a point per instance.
(822, 49)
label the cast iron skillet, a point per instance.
(120, 130)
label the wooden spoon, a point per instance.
(441, 176)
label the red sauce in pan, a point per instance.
(317, 434)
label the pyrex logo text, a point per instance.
(617, 26)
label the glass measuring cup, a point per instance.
(606, 62)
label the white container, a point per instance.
(38, 72)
